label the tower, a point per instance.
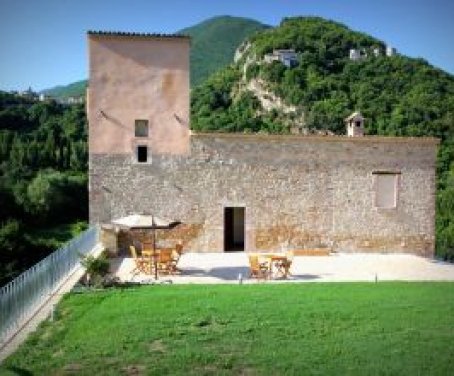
(137, 108)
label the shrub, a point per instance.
(96, 268)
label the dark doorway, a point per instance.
(234, 229)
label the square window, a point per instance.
(386, 190)
(141, 128)
(142, 154)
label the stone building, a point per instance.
(236, 191)
(390, 51)
(287, 57)
(355, 54)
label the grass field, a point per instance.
(263, 329)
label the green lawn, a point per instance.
(260, 329)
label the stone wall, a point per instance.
(298, 191)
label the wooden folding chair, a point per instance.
(164, 263)
(142, 264)
(176, 254)
(259, 270)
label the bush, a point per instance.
(96, 268)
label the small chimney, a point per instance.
(355, 125)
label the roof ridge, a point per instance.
(316, 137)
(136, 34)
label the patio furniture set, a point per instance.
(156, 261)
(270, 266)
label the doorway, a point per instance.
(234, 229)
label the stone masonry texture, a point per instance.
(298, 191)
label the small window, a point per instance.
(141, 128)
(358, 123)
(386, 184)
(142, 154)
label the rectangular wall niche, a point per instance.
(141, 128)
(386, 189)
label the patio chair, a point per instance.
(142, 264)
(259, 270)
(176, 254)
(147, 246)
(165, 260)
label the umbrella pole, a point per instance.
(155, 256)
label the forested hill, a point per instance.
(43, 179)
(213, 43)
(75, 89)
(397, 95)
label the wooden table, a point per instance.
(276, 259)
(154, 255)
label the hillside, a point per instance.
(76, 89)
(213, 44)
(397, 95)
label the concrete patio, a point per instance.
(339, 267)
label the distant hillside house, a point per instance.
(29, 94)
(287, 57)
(74, 100)
(243, 192)
(44, 97)
(355, 54)
(390, 51)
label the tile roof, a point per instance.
(134, 34)
(317, 138)
(353, 115)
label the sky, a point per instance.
(43, 42)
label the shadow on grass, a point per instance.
(19, 371)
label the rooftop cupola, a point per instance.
(355, 125)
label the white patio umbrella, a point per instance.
(143, 222)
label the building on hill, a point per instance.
(44, 97)
(74, 100)
(376, 51)
(236, 191)
(29, 94)
(390, 51)
(355, 54)
(287, 57)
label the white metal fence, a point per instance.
(20, 298)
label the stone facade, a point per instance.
(298, 191)
(372, 194)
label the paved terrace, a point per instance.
(339, 267)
